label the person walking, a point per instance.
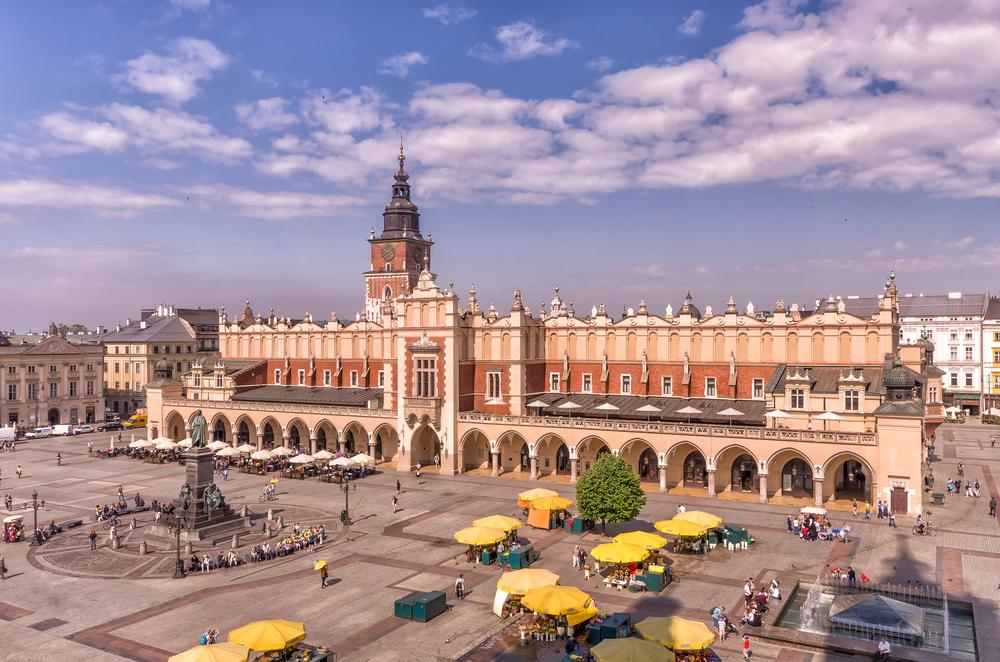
(58, 459)
(225, 474)
(715, 617)
(395, 503)
(399, 486)
(460, 587)
(93, 539)
(723, 624)
(576, 557)
(324, 574)
(961, 469)
(993, 506)
(3, 567)
(892, 520)
(746, 647)
(19, 472)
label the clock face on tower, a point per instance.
(388, 252)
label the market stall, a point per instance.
(278, 640)
(684, 637)
(691, 537)
(225, 652)
(548, 512)
(482, 542)
(514, 584)
(525, 498)
(631, 649)
(560, 609)
(623, 560)
(13, 528)
(701, 518)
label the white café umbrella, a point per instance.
(161, 439)
(538, 404)
(775, 414)
(186, 443)
(731, 412)
(363, 458)
(953, 410)
(282, 451)
(217, 445)
(829, 416)
(228, 451)
(689, 411)
(166, 445)
(261, 455)
(302, 458)
(323, 455)
(341, 462)
(138, 443)
(813, 510)
(993, 411)
(649, 410)
(607, 408)
(246, 448)
(569, 406)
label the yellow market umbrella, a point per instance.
(519, 582)
(631, 649)
(551, 503)
(479, 536)
(555, 600)
(271, 635)
(643, 539)
(213, 653)
(524, 499)
(707, 520)
(501, 522)
(679, 527)
(619, 552)
(676, 633)
(319, 565)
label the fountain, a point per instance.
(809, 613)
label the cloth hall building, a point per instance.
(792, 404)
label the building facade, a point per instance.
(808, 405)
(954, 323)
(991, 356)
(181, 336)
(51, 381)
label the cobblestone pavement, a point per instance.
(63, 601)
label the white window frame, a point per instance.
(968, 380)
(494, 385)
(555, 382)
(587, 382)
(666, 385)
(90, 387)
(277, 375)
(327, 377)
(797, 398)
(712, 392)
(218, 381)
(954, 378)
(968, 353)
(354, 378)
(425, 377)
(852, 400)
(625, 384)
(758, 389)
(381, 378)
(953, 353)
(197, 379)
(301, 377)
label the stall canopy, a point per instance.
(630, 649)
(216, 445)
(302, 458)
(556, 600)
(261, 455)
(228, 451)
(323, 455)
(643, 539)
(551, 503)
(213, 653)
(679, 527)
(480, 536)
(270, 635)
(701, 518)
(519, 582)
(619, 552)
(501, 522)
(676, 633)
(524, 499)
(244, 448)
(282, 450)
(363, 459)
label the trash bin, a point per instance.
(403, 607)
(938, 498)
(428, 605)
(521, 557)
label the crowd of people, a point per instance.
(816, 527)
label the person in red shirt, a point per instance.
(746, 647)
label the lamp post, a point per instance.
(345, 516)
(34, 504)
(179, 519)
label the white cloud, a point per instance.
(112, 202)
(192, 5)
(176, 75)
(277, 205)
(900, 246)
(692, 24)
(265, 113)
(773, 15)
(448, 13)
(601, 64)
(345, 111)
(263, 78)
(520, 41)
(97, 135)
(399, 65)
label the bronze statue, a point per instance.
(184, 498)
(198, 425)
(213, 497)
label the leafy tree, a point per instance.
(610, 492)
(71, 328)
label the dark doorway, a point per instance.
(744, 474)
(525, 459)
(53, 416)
(562, 459)
(244, 433)
(268, 435)
(897, 500)
(647, 465)
(694, 470)
(220, 431)
(321, 439)
(796, 479)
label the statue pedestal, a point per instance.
(202, 524)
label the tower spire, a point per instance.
(401, 157)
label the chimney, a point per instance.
(128, 321)
(118, 328)
(142, 324)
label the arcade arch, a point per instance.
(588, 450)
(641, 456)
(686, 466)
(425, 446)
(386, 443)
(737, 470)
(847, 476)
(513, 452)
(790, 473)
(173, 426)
(475, 449)
(553, 455)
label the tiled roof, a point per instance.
(163, 329)
(310, 395)
(941, 305)
(863, 307)
(993, 309)
(628, 405)
(900, 408)
(826, 379)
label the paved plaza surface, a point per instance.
(64, 601)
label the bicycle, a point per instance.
(109, 523)
(267, 496)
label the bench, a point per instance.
(69, 524)
(938, 498)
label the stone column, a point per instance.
(663, 478)
(371, 449)
(495, 463)
(313, 441)
(534, 467)
(574, 470)
(260, 440)
(818, 491)
(285, 438)
(763, 487)
(711, 483)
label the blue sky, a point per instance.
(201, 152)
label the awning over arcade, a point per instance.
(638, 408)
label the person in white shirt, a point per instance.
(883, 650)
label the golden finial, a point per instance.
(402, 157)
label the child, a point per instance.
(746, 647)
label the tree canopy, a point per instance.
(609, 491)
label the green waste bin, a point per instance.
(403, 607)
(616, 626)
(428, 605)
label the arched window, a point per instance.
(387, 293)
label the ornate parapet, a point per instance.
(290, 408)
(419, 408)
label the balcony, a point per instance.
(420, 407)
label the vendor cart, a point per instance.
(13, 528)
(519, 557)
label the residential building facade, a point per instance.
(50, 381)
(815, 405)
(991, 356)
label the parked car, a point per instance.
(8, 434)
(110, 426)
(84, 429)
(38, 433)
(63, 430)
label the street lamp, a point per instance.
(345, 516)
(34, 504)
(176, 527)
